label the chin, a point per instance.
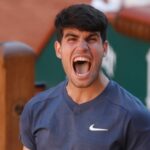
(82, 84)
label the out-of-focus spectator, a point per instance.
(131, 3)
(107, 5)
(116, 5)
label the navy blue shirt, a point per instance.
(114, 120)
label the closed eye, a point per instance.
(93, 38)
(71, 39)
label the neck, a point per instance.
(83, 95)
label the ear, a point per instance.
(57, 46)
(105, 46)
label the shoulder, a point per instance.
(44, 98)
(136, 113)
(122, 98)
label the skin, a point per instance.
(77, 44)
(25, 148)
(88, 45)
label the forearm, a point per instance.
(25, 148)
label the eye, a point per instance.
(72, 39)
(92, 39)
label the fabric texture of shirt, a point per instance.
(114, 120)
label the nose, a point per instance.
(82, 46)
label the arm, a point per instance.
(25, 148)
(139, 132)
(26, 135)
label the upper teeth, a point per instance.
(81, 59)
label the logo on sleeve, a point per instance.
(92, 128)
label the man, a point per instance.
(87, 111)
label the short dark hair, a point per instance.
(83, 17)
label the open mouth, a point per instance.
(81, 65)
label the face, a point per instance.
(81, 53)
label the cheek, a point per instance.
(97, 53)
(97, 56)
(65, 58)
(66, 50)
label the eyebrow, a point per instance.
(76, 36)
(71, 34)
(94, 34)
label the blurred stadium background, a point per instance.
(128, 60)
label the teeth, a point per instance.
(81, 65)
(81, 59)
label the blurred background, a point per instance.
(30, 22)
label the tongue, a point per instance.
(82, 68)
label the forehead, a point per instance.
(76, 32)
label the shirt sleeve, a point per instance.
(138, 132)
(26, 135)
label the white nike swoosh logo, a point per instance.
(92, 128)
